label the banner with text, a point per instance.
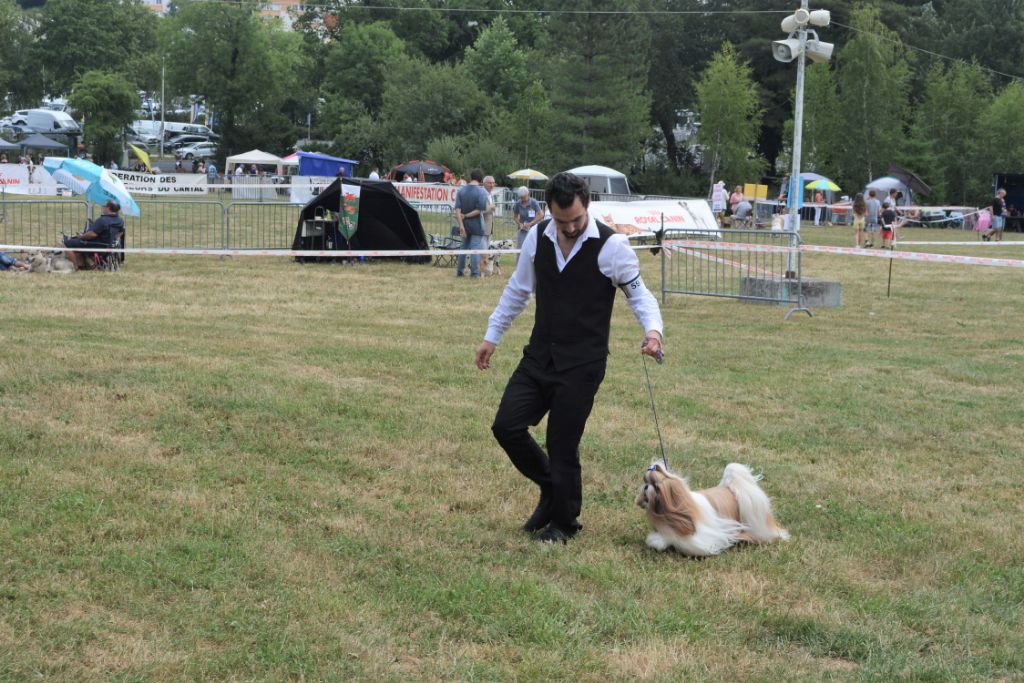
(649, 216)
(428, 193)
(25, 179)
(305, 187)
(166, 184)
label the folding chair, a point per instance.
(110, 260)
(452, 243)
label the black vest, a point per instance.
(574, 307)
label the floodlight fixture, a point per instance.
(786, 50)
(820, 17)
(819, 51)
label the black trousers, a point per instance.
(566, 396)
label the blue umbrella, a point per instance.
(95, 182)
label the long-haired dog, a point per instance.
(492, 262)
(706, 522)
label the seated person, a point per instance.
(11, 263)
(101, 233)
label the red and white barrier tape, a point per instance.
(672, 244)
(873, 253)
(269, 252)
(1007, 243)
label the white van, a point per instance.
(172, 128)
(46, 121)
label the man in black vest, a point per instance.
(573, 264)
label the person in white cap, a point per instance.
(527, 213)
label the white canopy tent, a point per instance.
(882, 185)
(254, 157)
(603, 179)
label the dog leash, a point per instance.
(650, 392)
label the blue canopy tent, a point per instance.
(312, 163)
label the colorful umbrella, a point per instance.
(95, 182)
(527, 174)
(822, 184)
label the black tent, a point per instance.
(8, 146)
(37, 141)
(386, 222)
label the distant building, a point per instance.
(285, 10)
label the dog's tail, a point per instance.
(755, 507)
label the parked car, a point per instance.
(144, 138)
(198, 150)
(12, 130)
(182, 140)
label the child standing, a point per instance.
(888, 224)
(860, 209)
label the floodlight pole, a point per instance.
(795, 191)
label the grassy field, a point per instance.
(250, 469)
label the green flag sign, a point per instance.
(349, 222)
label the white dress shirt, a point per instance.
(616, 261)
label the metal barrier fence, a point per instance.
(41, 221)
(177, 224)
(260, 225)
(733, 271)
(183, 224)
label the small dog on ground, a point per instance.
(492, 262)
(706, 522)
(49, 262)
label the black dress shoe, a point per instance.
(541, 516)
(556, 534)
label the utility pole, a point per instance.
(163, 108)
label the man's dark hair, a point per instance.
(113, 206)
(477, 175)
(563, 189)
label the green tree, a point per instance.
(357, 63)
(873, 77)
(248, 69)
(107, 102)
(75, 36)
(1000, 146)
(946, 129)
(355, 133)
(600, 108)
(730, 119)
(424, 101)
(496, 63)
(16, 39)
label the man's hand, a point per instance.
(652, 345)
(462, 231)
(483, 354)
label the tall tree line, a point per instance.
(676, 92)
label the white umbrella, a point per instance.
(527, 174)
